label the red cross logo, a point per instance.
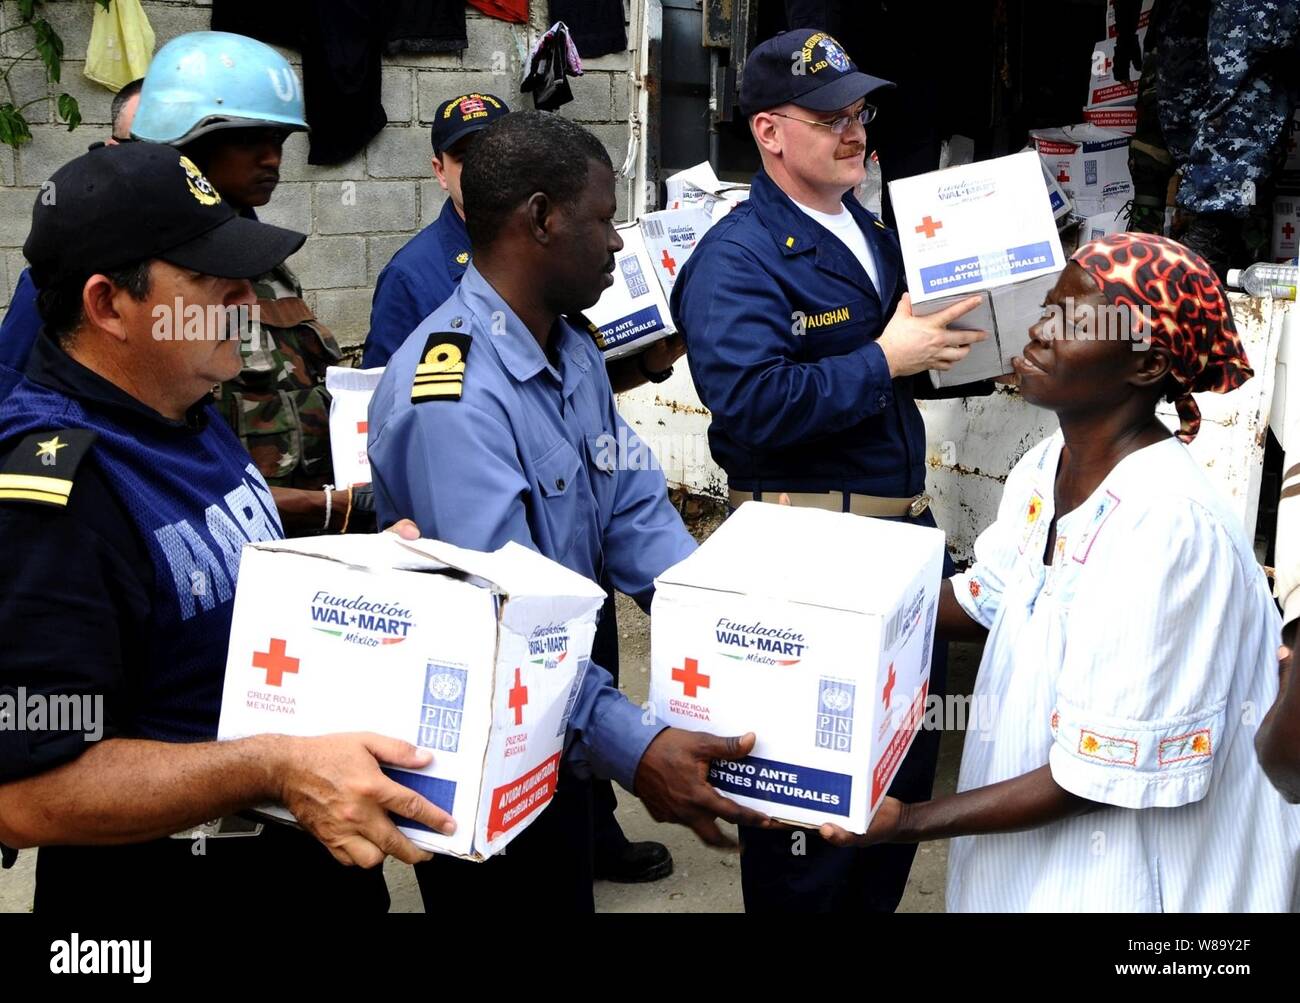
(691, 678)
(275, 661)
(518, 698)
(1063, 177)
(363, 427)
(929, 227)
(669, 263)
(888, 691)
(1288, 230)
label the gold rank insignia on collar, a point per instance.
(579, 319)
(43, 466)
(879, 224)
(440, 373)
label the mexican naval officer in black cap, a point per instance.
(805, 351)
(124, 503)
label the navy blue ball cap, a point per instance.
(461, 116)
(806, 67)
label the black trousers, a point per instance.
(604, 652)
(281, 870)
(547, 867)
(799, 872)
(550, 864)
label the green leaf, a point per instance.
(26, 9)
(50, 47)
(69, 111)
(13, 127)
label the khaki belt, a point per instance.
(833, 501)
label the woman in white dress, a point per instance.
(1131, 636)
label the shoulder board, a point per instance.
(440, 373)
(42, 467)
(581, 321)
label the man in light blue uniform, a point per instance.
(495, 422)
(419, 279)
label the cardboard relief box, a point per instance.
(350, 393)
(475, 656)
(813, 630)
(1091, 164)
(633, 312)
(985, 228)
(699, 187)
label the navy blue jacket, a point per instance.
(781, 322)
(18, 333)
(419, 279)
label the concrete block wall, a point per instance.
(357, 214)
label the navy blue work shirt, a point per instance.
(18, 333)
(415, 282)
(781, 323)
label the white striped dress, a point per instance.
(1138, 664)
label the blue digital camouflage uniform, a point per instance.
(1227, 88)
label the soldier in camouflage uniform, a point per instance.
(1225, 87)
(278, 405)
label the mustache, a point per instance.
(852, 150)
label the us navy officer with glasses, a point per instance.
(803, 346)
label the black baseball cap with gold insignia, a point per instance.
(461, 116)
(120, 205)
(806, 67)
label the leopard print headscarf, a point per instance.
(1187, 308)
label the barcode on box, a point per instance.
(895, 626)
(653, 228)
(573, 697)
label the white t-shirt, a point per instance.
(846, 228)
(1138, 664)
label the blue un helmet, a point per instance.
(209, 80)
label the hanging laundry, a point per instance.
(553, 59)
(121, 45)
(504, 10)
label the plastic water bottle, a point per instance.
(1264, 279)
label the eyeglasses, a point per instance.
(838, 125)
